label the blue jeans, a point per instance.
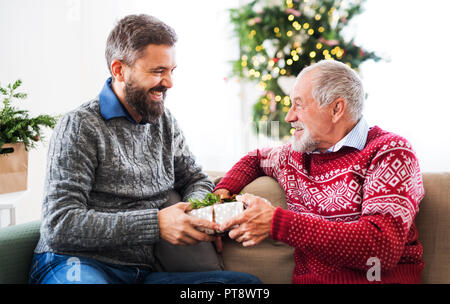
(51, 268)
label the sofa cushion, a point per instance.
(271, 261)
(433, 224)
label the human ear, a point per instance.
(117, 70)
(338, 110)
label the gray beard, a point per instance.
(305, 144)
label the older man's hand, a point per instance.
(254, 223)
(223, 193)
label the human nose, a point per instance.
(167, 80)
(291, 116)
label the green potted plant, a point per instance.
(18, 133)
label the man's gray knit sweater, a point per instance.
(106, 181)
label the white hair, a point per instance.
(333, 79)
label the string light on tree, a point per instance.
(278, 39)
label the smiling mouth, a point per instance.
(298, 128)
(157, 94)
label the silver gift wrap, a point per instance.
(219, 213)
(225, 211)
(205, 213)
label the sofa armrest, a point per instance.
(17, 245)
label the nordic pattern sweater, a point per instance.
(345, 209)
(106, 181)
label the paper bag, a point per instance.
(13, 168)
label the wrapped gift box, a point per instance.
(205, 213)
(218, 213)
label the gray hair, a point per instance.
(132, 34)
(333, 79)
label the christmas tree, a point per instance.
(277, 39)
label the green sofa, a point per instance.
(16, 251)
(270, 260)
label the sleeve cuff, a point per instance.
(144, 226)
(281, 223)
(230, 184)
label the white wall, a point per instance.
(56, 47)
(409, 94)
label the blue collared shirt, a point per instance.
(110, 106)
(356, 138)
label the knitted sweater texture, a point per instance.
(106, 181)
(348, 211)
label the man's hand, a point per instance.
(178, 228)
(254, 223)
(223, 193)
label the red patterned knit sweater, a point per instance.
(348, 211)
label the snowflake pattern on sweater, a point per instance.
(392, 182)
(344, 207)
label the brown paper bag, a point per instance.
(13, 168)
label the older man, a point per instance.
(352, 191)
(111, 166)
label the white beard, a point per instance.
(304, 144)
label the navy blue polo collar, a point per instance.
(110, 106)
